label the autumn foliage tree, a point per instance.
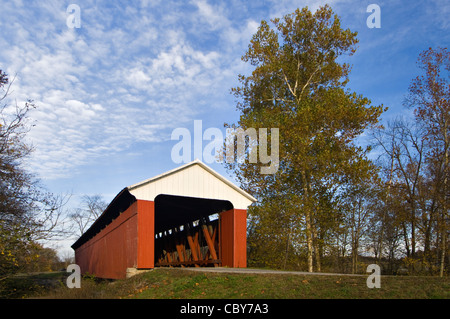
(28, 213)
(429, 96)
(299, 86)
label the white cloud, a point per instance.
(138, 79)
(127, 76)
(212, 15)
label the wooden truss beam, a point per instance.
(189, 245)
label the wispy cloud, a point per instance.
(126, 76)
(137, 69)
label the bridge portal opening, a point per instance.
(187, 231)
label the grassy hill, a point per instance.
(185, 284)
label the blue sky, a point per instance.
(110, 93)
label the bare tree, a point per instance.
(92, 207)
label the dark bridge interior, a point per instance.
(172, 211)
(185, 234)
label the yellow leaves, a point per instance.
(6, 253)
(135, 291)
(142, 289)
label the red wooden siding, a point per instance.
(233, 238)
(146, 234)
(114, 249)
(129, 242)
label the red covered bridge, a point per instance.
(190, 216)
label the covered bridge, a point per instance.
(189, 216)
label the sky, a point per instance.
(110, 91)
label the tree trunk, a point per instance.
(405, 237)
(444, 210)
(316, 248)
(413, 233)
(308, 220)
(355, 245)
(387, 204)
(309, 240)
(286, 252)
(444, 248)
(354, 256)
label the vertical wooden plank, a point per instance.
(240, 238)
(226, 237)
(218, 239)
(146, 234)
(233, 238)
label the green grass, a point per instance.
(29, 285)
(185, 284)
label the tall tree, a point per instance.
(403, 144)
(359, 203)
(28, 213)
(417, 155)
(429, 95)
(299, 86)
